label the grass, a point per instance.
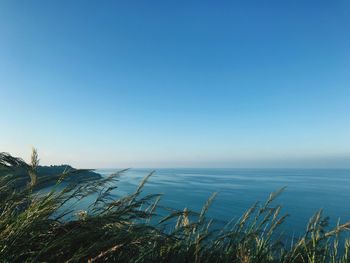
(34, 226)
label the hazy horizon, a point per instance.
(186, 84)
(322, 162)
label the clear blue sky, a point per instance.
(176, 83)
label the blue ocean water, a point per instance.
(308, 190)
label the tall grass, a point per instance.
(34, 226)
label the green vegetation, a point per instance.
(47, 175)
(34, 226)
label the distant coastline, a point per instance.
(49, 175)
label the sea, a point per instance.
(306, 191)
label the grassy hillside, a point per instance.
(47, 175)
(32, 228)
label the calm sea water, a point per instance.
(308, 190)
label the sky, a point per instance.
(176, 83)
